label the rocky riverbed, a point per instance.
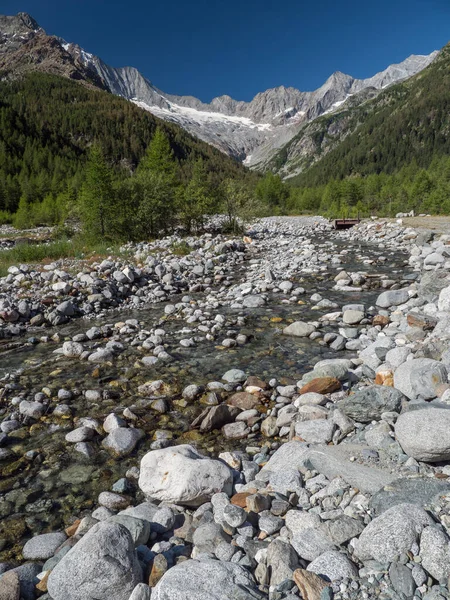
(256, 417)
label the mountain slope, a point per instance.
(409, 121)
(48, 123)
(251, 132)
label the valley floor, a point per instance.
(230, 418)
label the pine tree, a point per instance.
(97, 197)
(157, 176)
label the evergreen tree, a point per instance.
(157, 176)
(97, 197)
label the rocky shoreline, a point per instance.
(255, 484)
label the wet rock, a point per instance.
(234, 376)
(72, 349)
(299, 329)
(123, 440)
(35, 410)
(235, 431)
(217, 416)
(183, 476)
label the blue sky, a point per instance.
(207, 48)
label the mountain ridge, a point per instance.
(251, 132)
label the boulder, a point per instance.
(183, 476)
(392, 533)
(321, 385)
(420, 378)
(333, 565)
(101, 566)
(122, 440)
(425, 434)
(371, 402)
(392, 298)
(417, 490)
(435, 552)
(334, 461)
(444, 297)
(43, 546)
(289, 456)
(207, 580)
(299, 329)
(282, 560)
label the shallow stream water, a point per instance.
(47, 492)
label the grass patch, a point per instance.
(181, 249)
(42, 253)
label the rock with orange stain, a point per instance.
(321, 385)
(385, 378)
(309, 584)
(240, 499)
(380, 320)
(244, 400)
(71, 530)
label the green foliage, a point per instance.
(78, 247)
(197, 199)
(47, 127)
(97, 198)
(181, 249)
(239, 204)
(273, 193)
(411, 188)
(407, 123)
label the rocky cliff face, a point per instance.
(252, 132)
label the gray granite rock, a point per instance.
(418, 490)
(425, 434)
(43, 546)
(101, 566)
(333, 565)
(369, 403)
(419, 378)
(207, 580)
(392, 533)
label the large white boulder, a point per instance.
(183, 476)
